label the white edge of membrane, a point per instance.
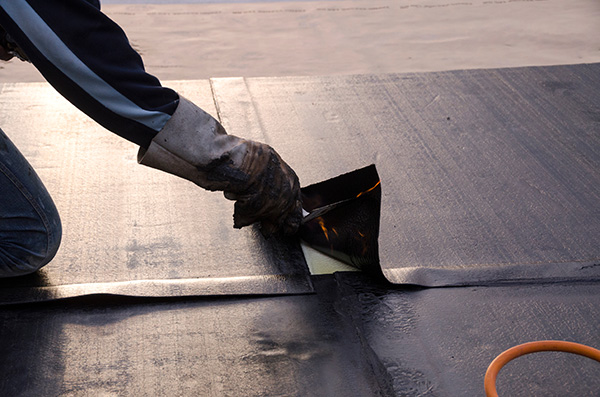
(319, 263)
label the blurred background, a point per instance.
(199, 39)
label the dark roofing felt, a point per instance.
(488, 177)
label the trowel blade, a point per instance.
(343, 218)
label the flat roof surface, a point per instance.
(495, 166)
(211, 332)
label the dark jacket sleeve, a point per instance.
(88, 59)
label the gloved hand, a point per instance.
(264, 188)
(196, 147)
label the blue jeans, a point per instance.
(30, 228)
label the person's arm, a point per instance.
(88, 59)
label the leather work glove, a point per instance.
(269, 191)
(194, 146)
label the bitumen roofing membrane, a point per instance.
(488, 238)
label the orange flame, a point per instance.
(367, 191)
(363, 242)
(325, 231)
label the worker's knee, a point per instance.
(29, 247)
(30, 228)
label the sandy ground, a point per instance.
(197, 41)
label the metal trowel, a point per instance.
(342, 218)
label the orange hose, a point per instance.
(532, 347)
